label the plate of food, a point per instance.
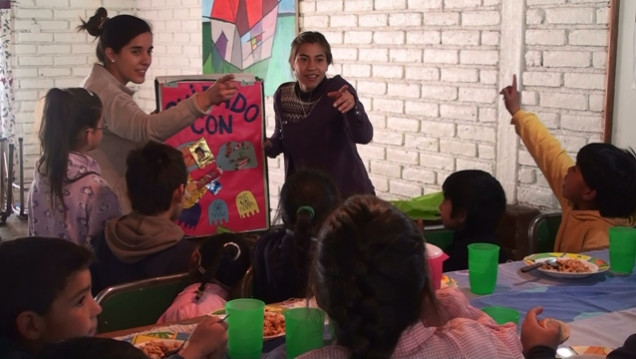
(273, 321)
(448, 282)
(583, 352)
(568, 265)
(159, 348)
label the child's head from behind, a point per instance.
(371, 274)
(48, 291)
(307, 196)
(71, 121)
(222, 259)
(474, 201)
(605, 176)
(156, 175)
(68, 115)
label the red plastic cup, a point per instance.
(435, 257)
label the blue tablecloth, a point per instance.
(604, 297)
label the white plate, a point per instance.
(583, 352)
(595, 265)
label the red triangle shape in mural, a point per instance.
(226, 10)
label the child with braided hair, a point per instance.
(218, 264)
(371, 278)
(282, 256)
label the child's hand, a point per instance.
(208, 340)
(534, 334)
(511, 97)
(344, 100)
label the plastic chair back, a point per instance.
(137, 303)
(438, 235)
(542, 232)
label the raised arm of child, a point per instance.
(512, 100)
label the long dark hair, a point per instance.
(371, 275)
(113, 32)
(223, 259)
(68, 113)
(479, 196)
(306, 198)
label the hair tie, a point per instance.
(238, 249)
(309, 210)
(102, 21)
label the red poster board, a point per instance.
(223, 150)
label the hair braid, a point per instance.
(372, 275)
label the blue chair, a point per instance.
(542, 232)
(137, 303)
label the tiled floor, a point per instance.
(15, 227)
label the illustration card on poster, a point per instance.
(227, 172)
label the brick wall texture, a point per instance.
(428, 72)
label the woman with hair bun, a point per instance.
(124, 50)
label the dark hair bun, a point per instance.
(95, 25)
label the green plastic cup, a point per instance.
(245, 328)
(303, 330)
(502, 315)
(483, 261)
(622, 249)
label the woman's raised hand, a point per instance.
(223, 89)
(344, 100)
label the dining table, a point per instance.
(600, 309)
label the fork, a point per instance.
(222, 320)
(175, 351)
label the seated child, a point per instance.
(473, 204)
(46, 298)
(50, 300)
(68, 197)
(219, 264)
(282, 256)
(595, 193)
(372, 279)
(94, 348)
(206, 341)
(146, 242)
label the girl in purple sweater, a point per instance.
(320, 120)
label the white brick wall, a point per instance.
(427, 71)
(565, 60)
(49, 52)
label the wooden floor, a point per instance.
(15, 227)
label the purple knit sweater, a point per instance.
(311, 133)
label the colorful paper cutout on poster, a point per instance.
(227, 186)
(201, 153)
